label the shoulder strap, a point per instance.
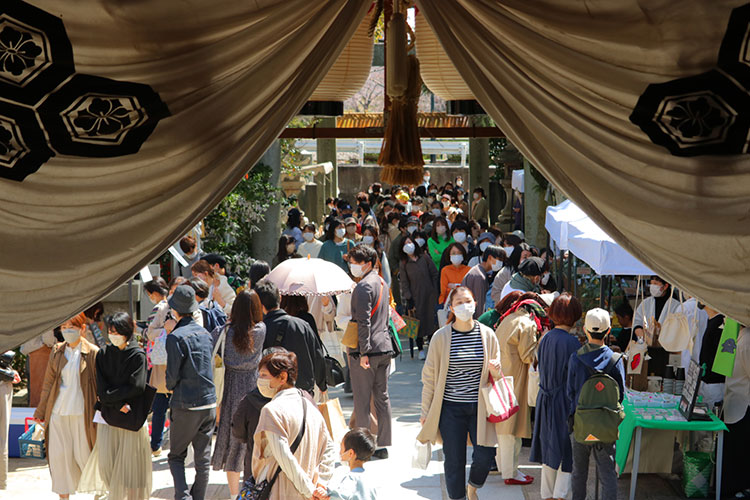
(613, 361)
(296, 442)
(593, 371)
(377, 304)
(224, 340)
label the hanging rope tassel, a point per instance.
(401, 152)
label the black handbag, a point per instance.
(334, 370)
(140, 407)
(262, 490)
(395, 343)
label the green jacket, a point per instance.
(437, 248)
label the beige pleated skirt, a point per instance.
(67, 451)
(120, 464)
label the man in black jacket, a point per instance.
(295, 335)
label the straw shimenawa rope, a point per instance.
(401, 152)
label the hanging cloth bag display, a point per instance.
(219, 367)
(636, 351)
(674, 335)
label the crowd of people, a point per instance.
(239, 360)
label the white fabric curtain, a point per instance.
(561, 80)
(231, 73)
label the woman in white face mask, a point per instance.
(289, 416)
(66, 406)
(453, 269)
(438, 240)
(461, 358)
(649, 316)
(121, 380)
(310, 246)
(419, 290)
(336, 245)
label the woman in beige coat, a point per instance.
(308, 468)
(518, 336)
(66, 406)
(461, 357)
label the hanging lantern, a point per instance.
(347, 75)
(439, 73)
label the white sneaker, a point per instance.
(422, 355)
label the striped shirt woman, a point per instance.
(461, 357)
(464, 366)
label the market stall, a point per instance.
(659, 411)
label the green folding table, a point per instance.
(637, 423)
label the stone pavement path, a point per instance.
(29, 479)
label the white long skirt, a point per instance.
(120, 464)
(68, 451)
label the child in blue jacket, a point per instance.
(594, 355)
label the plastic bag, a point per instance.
(422, 455)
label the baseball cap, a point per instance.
(548, 298)
(597, 321)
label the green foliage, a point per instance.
(497, 150)
(231, 225)
(291, 156)
(589, 288)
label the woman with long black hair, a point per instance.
(419, 288)
(243, 338)
(287, 250)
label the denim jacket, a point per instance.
(190, 366)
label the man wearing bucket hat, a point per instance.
(193, 404)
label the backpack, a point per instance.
(213, 317)
(599, 412)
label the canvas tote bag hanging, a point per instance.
(675, 331)
(500, 399)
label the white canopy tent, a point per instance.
(571, 229)
(557, 220)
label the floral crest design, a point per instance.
(6, 146)
(103, 117)
(697, 117)
(50, 109)
(18, 52)
(708, 113)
